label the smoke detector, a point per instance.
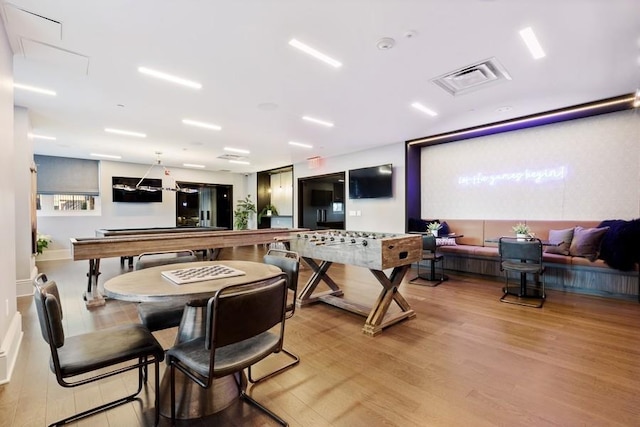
(472, 77)
(385, 43)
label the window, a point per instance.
(67, 186)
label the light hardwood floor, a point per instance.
(465, 360)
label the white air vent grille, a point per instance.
(472, 77)
(231, 157)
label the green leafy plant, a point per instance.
(434, 226)
(42, 242)
(263, 212)
(243, 212)
(521, 228)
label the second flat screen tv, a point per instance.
(371, 183)
(133, 195)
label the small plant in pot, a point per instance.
(522, 230)
(433, 227)
(268, 210)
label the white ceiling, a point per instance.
(89, 53)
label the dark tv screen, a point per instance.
(131, 195)
(371, 183)
(321, 197)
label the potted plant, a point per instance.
(268, 210)
(42, 242)
(522, 230)
(433, 227)
(243, 212)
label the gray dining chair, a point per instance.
(244, 324)
(429, 254)
(93, 356)
(158, 315)
(522, 257)
(289, 263)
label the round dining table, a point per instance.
(149, 285)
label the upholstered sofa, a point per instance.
(472, 253)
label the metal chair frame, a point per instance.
(50, 315)
(266, 300)
(429, 253)
(288, 262)
(522, 257)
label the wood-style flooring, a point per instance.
(465, 360)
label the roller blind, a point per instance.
(63, 175)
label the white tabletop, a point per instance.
(149, 284)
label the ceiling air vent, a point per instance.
(231, 157)
(472, 77)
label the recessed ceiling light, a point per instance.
(300, 144)
(201, 124)
(318, 121)
(36, 136)
(424, 109)
(170, 78)
(106, 156)
(125, 132)
(34, 89)
(236, 150)
(192, 165)
(532, 43)
(239, 162)
(316, 54)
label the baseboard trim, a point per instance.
(9, 348)
(24, 287)
(54, 255)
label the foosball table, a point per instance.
(374, 251)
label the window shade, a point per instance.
(63, 175)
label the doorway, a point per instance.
(211, 206)
(321, 202)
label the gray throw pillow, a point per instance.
(586, 242)
(559, 241)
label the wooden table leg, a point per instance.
(307, 295)
(378, 318)
(92, 296)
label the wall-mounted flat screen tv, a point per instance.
(127, 192)
(372, 182)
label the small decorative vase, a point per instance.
(435, 233)
(268, 212)
(521, 236)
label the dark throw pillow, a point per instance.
(444, 229)
(559, 241)
(586, 242)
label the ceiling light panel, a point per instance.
(34, 89)
(45, 137)
(201, 124)
(170, 78)
(239, 162)
(318, 121)
(418, 106)
(300, 144)
(193, 165)
(315, 53)
(106, 156)
(532, 43)
(236, 150)
(125, 132)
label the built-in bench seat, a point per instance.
(473, 254)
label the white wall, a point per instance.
(585, 169)
(10, 319)
(377, 215)
(130, 215)
(25, 261)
